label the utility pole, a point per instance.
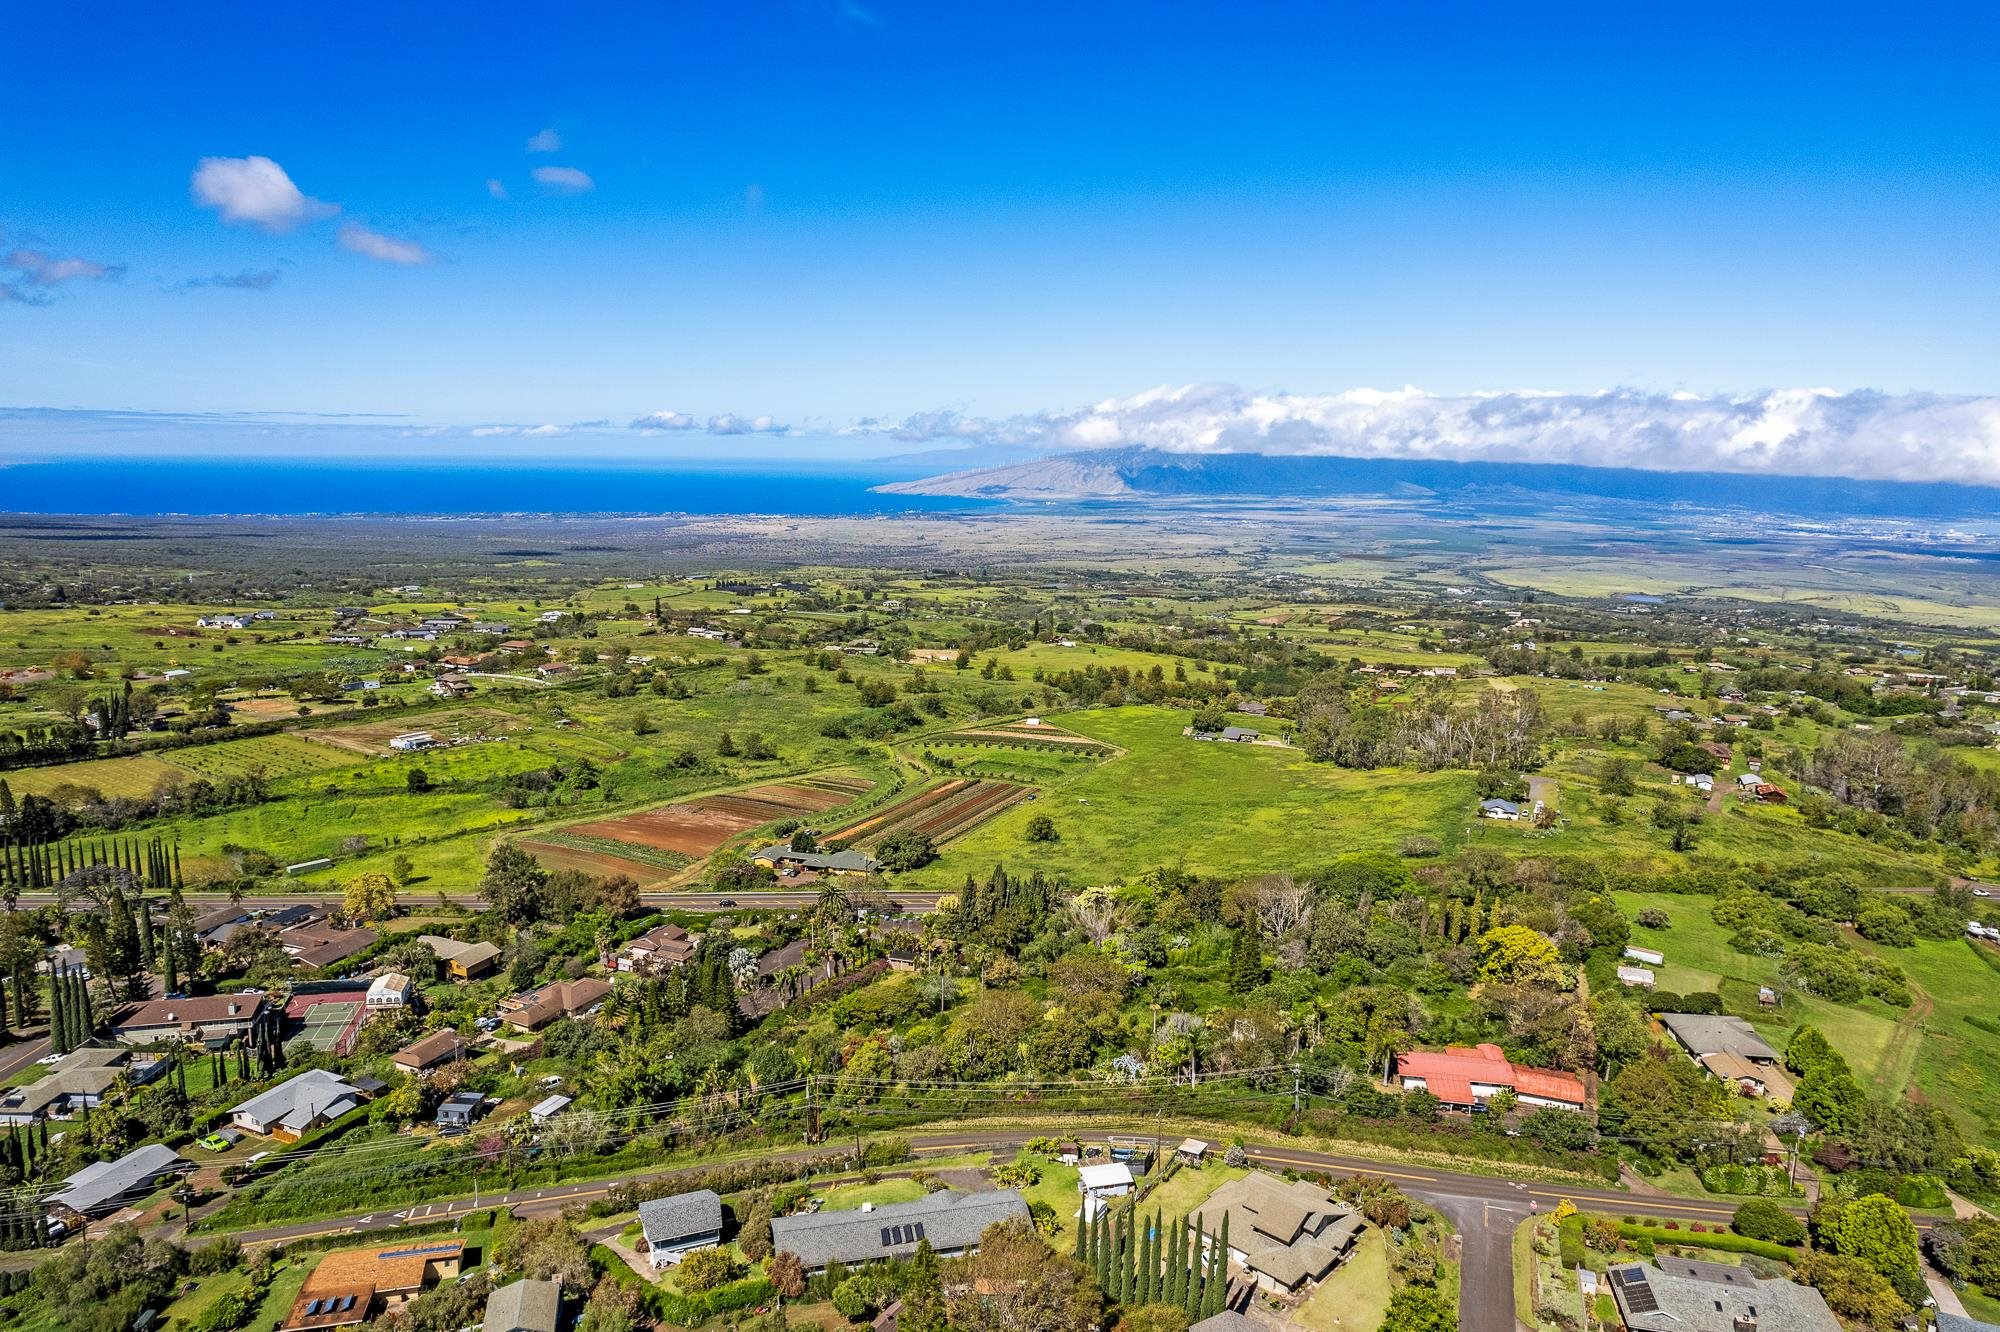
(1295, 1091)
(812, 1109)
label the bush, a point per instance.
(1727, 1243)
(1761, 1220)
(1921, 1191)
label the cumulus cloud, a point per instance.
(1780, 432)
(548, 141)
(526, 432)
(563, 180)
(255, 279)
(728, 423)
(30, 277)
(665, 421)
(385, 249)
(254, 191)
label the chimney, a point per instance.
(1745, 1322)
(232, 1008)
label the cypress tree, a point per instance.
(143, 918)
(1128, 1259)
(1191, 1297)
(1081, 1248)
(58, 1029)
(1149, 1265)
(169, 975)
(1218, 1274)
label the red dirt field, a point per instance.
(941, 812)
(694, 828)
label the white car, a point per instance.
(1976, 892)
(51, 1059)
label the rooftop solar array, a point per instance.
(1638, 1292)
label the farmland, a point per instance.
(274, 756)
(939, 812)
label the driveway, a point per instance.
(1486, 1259)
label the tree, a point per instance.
(370, 896)
(1016, 1281)
(787, 1274)
(1853, 1289)
(1760, 1218)
(1042, 828)
(1246, 960)
(1830, 1097)
(514, 885)
(705, 1269)
(1419, 1309)
(906, 850)
(1518, 955)
(1876, 1230)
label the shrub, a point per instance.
(1762, 1220)
(1667, 1234)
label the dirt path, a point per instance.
(1899, 1056)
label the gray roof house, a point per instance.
(952, 1222)
(1283, 1233)
(835, 862)
(101, 1187)
(1951, 1322)
(1683, 1295)
(298, 1105)
(1706, 1034)
(1228, 1321)
(525, 1306)
(675, 1227)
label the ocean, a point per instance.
(210, 486)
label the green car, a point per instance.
(214, 1142)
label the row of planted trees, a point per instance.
(154, 863)
(1139, 1262)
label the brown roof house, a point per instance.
(559, 999)
(657, 950)
(217, 1017)
(1283, 1234)
(354, 1286)
(429, 1054)
(462, 961)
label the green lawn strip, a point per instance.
(1356, 1296)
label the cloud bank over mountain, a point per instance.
(1781, 432)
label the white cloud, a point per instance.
(665, 420)
(728, 423)
(254, 191)
(563, 180)
(28, 276)
(386, 249)
(496, 188)
(548, 141)
(1782, 432)
(543, 431)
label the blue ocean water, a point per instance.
(212, 486)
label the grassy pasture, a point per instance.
(282, 755)
(133, 776)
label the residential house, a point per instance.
(391, 992)
(350, 1287)
(1652, 957)
(1465, 1078)
(459, 1110)
(1686, 1295)
(429, 1054)
(1750, 1079)
(524, 1306)
(1101, 1183)
(1706, 1034)
(1639, 977)
(218, 1019)
(1228, 1321)
(462, 961)
(559, 999)
(787, 861)
(206, 924)
(105, 1186)
(317, 947)
(1496, 808)
(549, 1107)
(674, 1227)
(1283, 1234)
(658, 950)
(79, 1083)
(555, 670)
(451, 686)
(951, 1222)
(297, 1106)
(412, 742)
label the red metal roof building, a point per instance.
(1464, 1076)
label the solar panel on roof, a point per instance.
(1638, 1292)
(886, 1241)
(346, 1303)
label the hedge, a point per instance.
(694, 1310)
(1708, 1239)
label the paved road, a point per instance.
(1485, 1210)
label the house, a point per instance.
(518, 645)
(106, 1186)
(787, 861)
(297, 1106)
(548, 1108)
(216, 1018)
(350, 1287)
(1098, 1183)
(462, 961)
(1767, 997)
(458, 1111)
(1686, 1295)
(901, 959)
(658, 950)
(1749, 1079)
(555, 670)
(1951, 1322)
(1069, 1152)
(1652, 957)
(1747, 781)
(1701, 781)
(391, 992)
(450, 686)
(80, 1084)
(429, 1054)
(1642, 977)
(206, 924)
(317, 947)
(1496, 808)
(413, 741)
(675, 1227)
(1706, 1034)
(559, 999)
(525, 1306)
(1769, 794)
(951, 1222)
(1283, 1234)
(1466, 1078)
(1251, 707)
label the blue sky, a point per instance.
(818, 213)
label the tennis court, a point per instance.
(322, 1023)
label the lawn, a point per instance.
(849, 1197)
(1219, 808)
(1945, 1056)
(1699, 958)
(1189, 1188)
(285, 1287)
(1356, 1296)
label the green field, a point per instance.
(134, 776)
(282, 755)
(1218, 808)
(1945, 1057)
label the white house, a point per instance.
(390, 992)
(1099, 1182)
(1651, 957)
(1642, 977)
(1499, 809)
(413, 741)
